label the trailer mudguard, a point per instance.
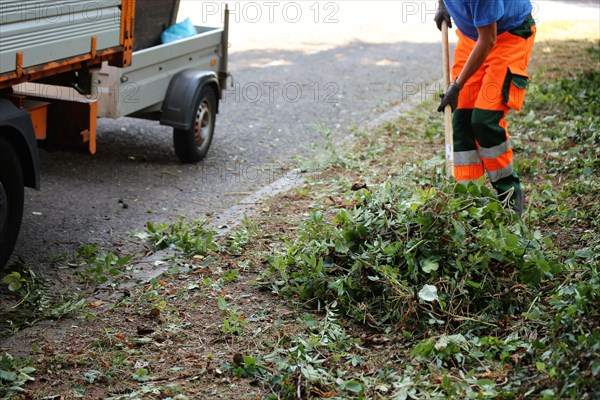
(17, 128)
(179, 108)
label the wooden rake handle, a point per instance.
(449, 140)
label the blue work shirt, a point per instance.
(469, 15)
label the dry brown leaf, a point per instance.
(327, 395)
(154, 314)
(358, 186)
(144, 330)
(94, 304)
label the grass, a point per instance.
(377, 278)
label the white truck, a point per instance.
(65, 63)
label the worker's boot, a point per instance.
(518, 202)
(510, 193)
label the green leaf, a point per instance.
(353, 386)
(423, 349)
(540, 366)
(14, 281)
(586, 253)
(548, 394)
(530, 117)
(141, 375)
(222, 303)
(512, 240)
(27, 370)
(429, 266)
(309, 320)
(8, 376)
(483, 383)
(91, 376)
(473, 284)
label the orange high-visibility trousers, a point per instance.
(481, 139)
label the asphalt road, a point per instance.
(299, 70)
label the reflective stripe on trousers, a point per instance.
(481, 139)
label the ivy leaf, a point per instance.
(141, 375)
(428, 266)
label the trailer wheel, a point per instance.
(11, 199)
(192, 145)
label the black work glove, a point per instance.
(450, 97)
(442, 15)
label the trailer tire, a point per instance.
(11, 199)
(191, 145)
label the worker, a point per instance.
(495, 40)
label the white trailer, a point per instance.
(65, 63)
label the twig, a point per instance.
(470, 319)
(420, 242)
(23, 299)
